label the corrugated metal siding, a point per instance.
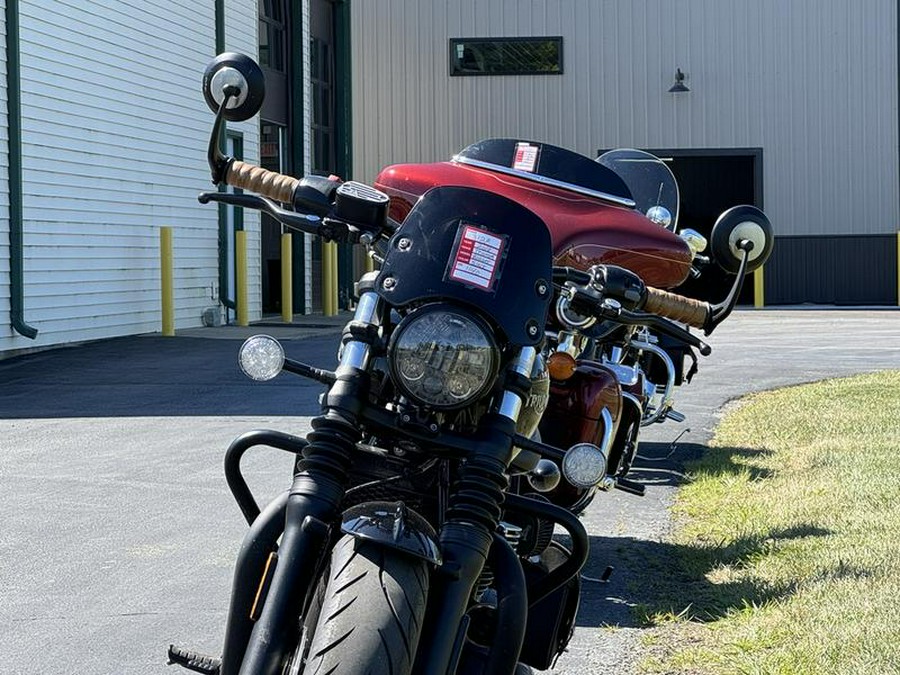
(812, 82)
(114, 146)
(849, 270)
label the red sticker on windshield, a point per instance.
(476, 257)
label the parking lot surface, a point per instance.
(119, 532)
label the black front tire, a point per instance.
(373, 603)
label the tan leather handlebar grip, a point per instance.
(263, 182)
(677, 307)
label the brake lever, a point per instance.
(302, 222)
(665, 326)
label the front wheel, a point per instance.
(372, 607)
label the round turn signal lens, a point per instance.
(561, 365)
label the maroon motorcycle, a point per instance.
(612, 371)
(416, 535)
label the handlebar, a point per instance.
(586, 299)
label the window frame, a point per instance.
(454, 42)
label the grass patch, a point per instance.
(787, 554)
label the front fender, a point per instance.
(394, 525)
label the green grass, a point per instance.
(786, 558)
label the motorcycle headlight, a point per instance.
(442, 357)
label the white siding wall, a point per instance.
(812, 82)
(241, 35)
(114, 146)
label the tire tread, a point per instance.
(387, 591)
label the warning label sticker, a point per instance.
(526, 157)
(477, 257)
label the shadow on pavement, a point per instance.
(150, 376)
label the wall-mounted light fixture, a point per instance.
(679, 85)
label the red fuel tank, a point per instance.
(585, 230)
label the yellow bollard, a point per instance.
(329, 278)
(334, 279)
(240, 277)
(759, 289)
(167, 281)
(287, 289)
(326, 279)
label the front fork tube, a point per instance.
(473, 516)
(312, 507)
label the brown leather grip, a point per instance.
(263, 182)
(677, 307)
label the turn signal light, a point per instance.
(561, 365)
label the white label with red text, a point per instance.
(477, 257)
(526, 157)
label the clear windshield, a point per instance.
(650, 181)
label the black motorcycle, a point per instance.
(414, 537)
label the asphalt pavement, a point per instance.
(119, 533)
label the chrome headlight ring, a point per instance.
(443, 357)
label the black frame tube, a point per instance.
(233, 476)
(581, 546)
(259, 542)
(512, 608)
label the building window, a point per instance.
(506, 56)
(322, 93)
(271, 34)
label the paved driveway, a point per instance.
(119, 534)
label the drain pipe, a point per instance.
(14, 121)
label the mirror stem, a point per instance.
(721, 311)
(218, 163)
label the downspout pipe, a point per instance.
(14, 122)
(227, 302)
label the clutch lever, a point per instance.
(664, 326)
(329, 229)
(302, 222)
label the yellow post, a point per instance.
(167, 281)
(240, 276)
(334, 279)
(329, 278)
(326, 279)
(287, 289)
(759, 289)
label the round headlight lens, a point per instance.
(443, 358)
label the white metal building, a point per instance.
(792, 105)
(799, 97)
(113, 146)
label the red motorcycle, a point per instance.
(616, 220)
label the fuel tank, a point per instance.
(585, 230)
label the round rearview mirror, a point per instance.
(240, 76)
(730, 236)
